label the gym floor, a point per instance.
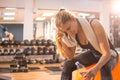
(41, 74)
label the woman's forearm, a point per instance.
(102, 61)
(68, 54)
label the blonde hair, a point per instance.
(61, 18)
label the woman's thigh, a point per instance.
(87, 58)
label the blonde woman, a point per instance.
(91, 36)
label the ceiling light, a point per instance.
(10, 8)
(116, 6)
(83, 14)
(40, 18)
(8, 18)
(9, 13)
(47, 14)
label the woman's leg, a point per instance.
(106, 70)
(87, 58)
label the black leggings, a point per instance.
(88, 58)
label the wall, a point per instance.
(79, 5)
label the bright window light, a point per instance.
(116, 7)
(83, 14)
(40, 18)
(9, 13)
(8, 18)
(10, 8)
(47, 14)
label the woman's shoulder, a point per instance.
(95, 23)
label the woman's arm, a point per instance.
(67, 52)
(11, 36)
(103, 43)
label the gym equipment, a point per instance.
(27, 51)
(11, 42)
(12, 51)
(49, 42)
(40, 50)
(33, 50)
(19, 63)
(44, 42)
(22, 43)
(30, 49)
(5, 51)
(52, 51)
(33, 42)
(5, 42)
(46, 50)
(26, 42)
(42, 61)
(38, 42)
(18, 51)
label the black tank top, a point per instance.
(89, 46)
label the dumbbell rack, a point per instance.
(24, 44)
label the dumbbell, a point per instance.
(44, 42)
(16, 43)
(40, 50)
(33, 42)
(6, 42)
(27, 51)
(22, 43)
(18, 51)
(49, 42)
(33, 50)
(11, 42)
(14, 65)
(38, 42)
(6, 51)
(33, 61)
(26, 42)
(52, 51)
(42, 61)
(19, 57)
(12, 51)
(46, 50)
(51, 61)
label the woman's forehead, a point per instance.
(64, 26)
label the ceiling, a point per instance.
(41, 9)
(19, 16)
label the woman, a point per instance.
(72, 32)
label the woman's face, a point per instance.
(70, 27)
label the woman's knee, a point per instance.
(69, 66)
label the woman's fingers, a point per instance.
(89, 76)
(59, 35)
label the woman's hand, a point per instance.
(59, 34)
(90, 73)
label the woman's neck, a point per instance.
(81, 35)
